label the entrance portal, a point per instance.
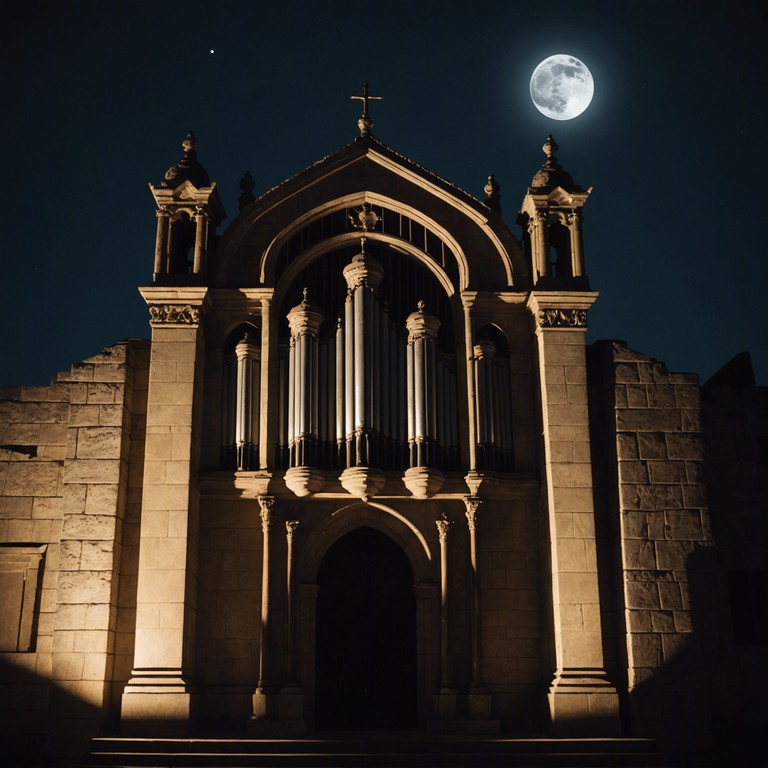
(365, 676)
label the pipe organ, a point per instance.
(372, 393)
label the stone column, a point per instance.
(157, 698)
(199, 262)
(161, 241)
(445, 701)
(577, 248)
(290, 667)
(485, 391)
(581, 698)
(537, 230)
(267, 447)
(266, 503)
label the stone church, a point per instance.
(366, 475)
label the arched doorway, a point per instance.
(365, 673)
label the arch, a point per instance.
(376, 516)
(426, 592)
(388, 203)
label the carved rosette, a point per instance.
(562, 318)
(173, 314)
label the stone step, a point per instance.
(417, 751)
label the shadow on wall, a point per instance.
(51, 727)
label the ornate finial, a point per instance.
(189, 144)
(420, 305)
(365, 123)
(247, 185)
(304, 295)
(188, 168)
(550, 147)
(492, 191)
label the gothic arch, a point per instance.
(378, 516)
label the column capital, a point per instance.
(266, 505)
(363, 270)
(472, 504)
(290, 529)
(561, 309)
(176, 305)
(443, 530)
(304, 319)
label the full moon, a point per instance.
(562, 87)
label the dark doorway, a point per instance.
(365, 673)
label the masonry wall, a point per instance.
(65, 461)
(736, 436)
(658, 544)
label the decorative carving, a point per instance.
(173, 314)
(364, 218)
(363, 270)
(162, 212)
(421, 325)
(266, 504)
(290, 529)
(304, 319)
(443, 530)
(472, 503)
(562, 318)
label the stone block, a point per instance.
(111, 415)
(85, 587)
(633, 472)
(626, 446)
(626, 373)
(102, 499)
(673, 554)
(68, 666)
(642, 595)
(98, 616)
(667, 472)
(695, 496)
(83, 415)
(685, 446)
(684, 524)
(99, 443)
(71, 616)
(92, 641)
(32, 479)
(648, 420)
(637, 396)
(652, 445)
(69, 555)
(92, 471)
(100, 392)
(93, 527)
(691, 421)
(687, 397)
(16, 507)
(671, 596)
(97, 556)
(639, 554)
(663, 621)
(645, 650)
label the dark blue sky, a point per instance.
(98, 95)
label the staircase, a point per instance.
(373, 751)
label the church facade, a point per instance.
(367, 475)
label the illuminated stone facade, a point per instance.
(367, 474)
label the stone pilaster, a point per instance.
(158, 697)
(581, 698)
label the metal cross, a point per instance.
(365, 98)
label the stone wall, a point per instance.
(655, 527)
(736, 435)
(64, 469)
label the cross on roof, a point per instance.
(365, 123)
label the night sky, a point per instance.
(97, 97)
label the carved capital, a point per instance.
(304, 319)
(266, 504)
(472, 504)
(290, 529)
(173, 314)
(363, 270)
(201, 211)
(163, 212)
(421, 325)
(562, 318)
(443, 530)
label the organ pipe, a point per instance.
(304, 321)
(247, 401)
